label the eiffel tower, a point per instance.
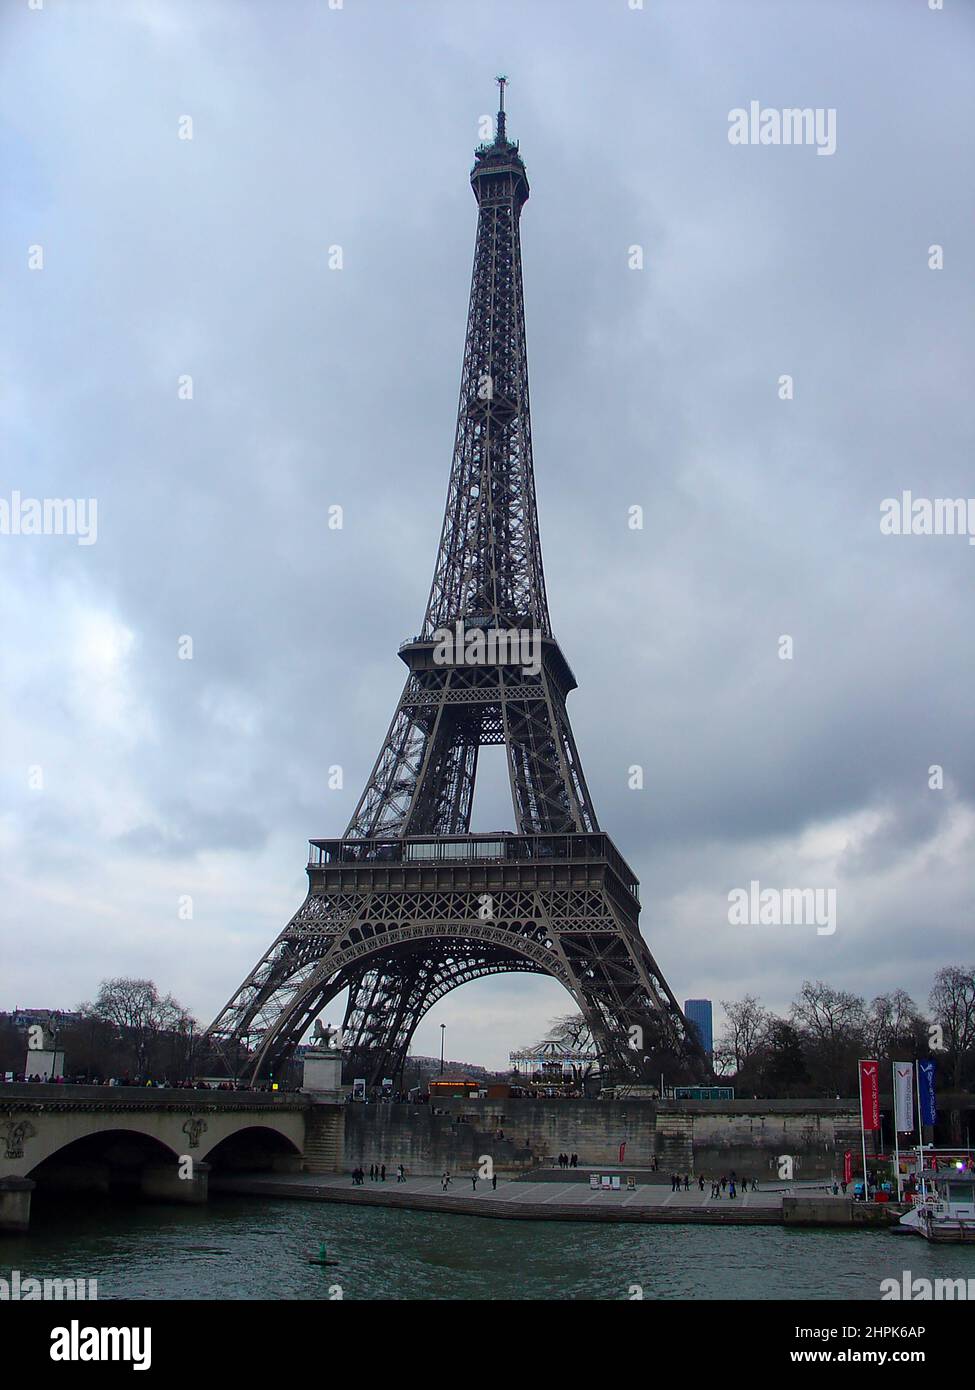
(409, 904)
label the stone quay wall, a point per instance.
(750, 1137)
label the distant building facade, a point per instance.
(47, 1018)
(699, 1014)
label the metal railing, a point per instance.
(499, 847)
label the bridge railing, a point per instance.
(187, 1096)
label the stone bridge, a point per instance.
(157, 1143)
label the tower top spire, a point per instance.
(502, 82)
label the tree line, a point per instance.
(130, 1030)
(813, 1049)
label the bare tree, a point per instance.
(952, 1005)
(894, 1023)
(572, 1030)
(833, 1026)
(746, 1032)
(140, 1013)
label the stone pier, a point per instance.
(15, 1204)
(161, 1182)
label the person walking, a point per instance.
(731, 1188)
(494, 1182)
(474, 1179)
(700, 1181)
(400, 1173)
(382, 1171)
(445, 1182)
(687, 1182)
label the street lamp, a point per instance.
(443, 1030)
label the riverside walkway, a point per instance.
(548, 1199)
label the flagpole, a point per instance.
(920, 1127)
(863, 1132)
(897, 1151)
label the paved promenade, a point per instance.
(525, 1200)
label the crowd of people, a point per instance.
(377, 1173)
(199, 1084)
(728, 1183)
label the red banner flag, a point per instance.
(848, 1166)
(623, 1151)
(870, 1095)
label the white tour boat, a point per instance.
(944, 1210)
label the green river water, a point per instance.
(254, 1248)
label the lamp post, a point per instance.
(56, 1030)
(443, 1030)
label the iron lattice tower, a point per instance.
(409, 904)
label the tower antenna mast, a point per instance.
(502, 82)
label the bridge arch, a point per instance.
(110, 1160)
(254, 1148)
(61, 1142)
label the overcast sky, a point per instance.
(131, 778)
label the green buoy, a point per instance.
(322, 1257)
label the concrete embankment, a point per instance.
(714, 1138)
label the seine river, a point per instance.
(250, 1248)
